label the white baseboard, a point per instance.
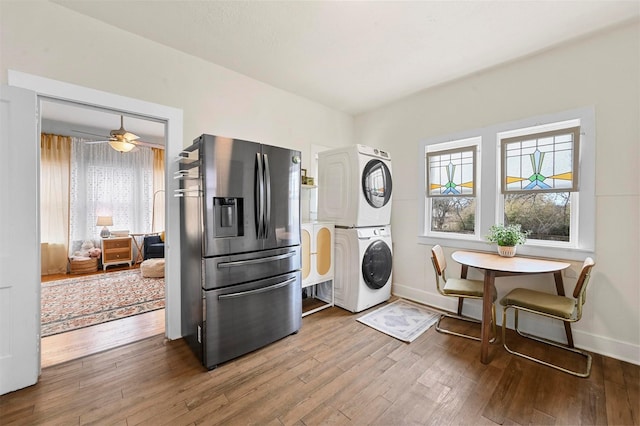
(534, 324)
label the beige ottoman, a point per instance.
(152, 268)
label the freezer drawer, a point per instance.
(246, 317)
(224, 271)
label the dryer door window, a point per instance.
(376, 183)
(376, 264)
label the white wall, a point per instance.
(603, 71)
(47, 40)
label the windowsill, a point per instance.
(527, 249)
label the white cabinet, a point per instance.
(317, 265)
(317, 252)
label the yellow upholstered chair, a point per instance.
(460, 288)
(567, 309)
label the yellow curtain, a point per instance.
(158, 190)
(55, 165)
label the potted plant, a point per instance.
(507, 237)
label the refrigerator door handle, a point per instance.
(267, 191)
(256, 291)
(259, 195)
(255, 261)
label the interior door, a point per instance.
(19, 235)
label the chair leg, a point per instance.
(585, 354)
(468, 319)
(493, 321)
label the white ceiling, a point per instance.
(87, 122)
(355, 56)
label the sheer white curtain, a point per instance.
(105, 182)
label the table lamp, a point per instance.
(104, 221)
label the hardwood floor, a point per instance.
(110, 268)
(90, 340)
(74, 344)
(334, 370)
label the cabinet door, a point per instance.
(306, 251)
(317, 252)
(324, 251)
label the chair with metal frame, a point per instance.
(460, 288)
(567, 309)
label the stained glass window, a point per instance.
(541, 162)
(451, 173)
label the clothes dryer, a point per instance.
(355, 186)
(363, 264)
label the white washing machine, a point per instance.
(354, 186)
(363, 265)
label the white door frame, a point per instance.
(173, 118)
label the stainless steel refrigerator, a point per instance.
(240, 246)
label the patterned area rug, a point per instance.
(401, 319)
(80, 302)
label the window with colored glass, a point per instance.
(539, 175)
(451, 189)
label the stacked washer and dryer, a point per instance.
(354, 192)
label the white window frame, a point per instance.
(467, 142)
(574, 230)
(489, 202)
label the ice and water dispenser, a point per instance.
(228, 217)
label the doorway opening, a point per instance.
(44, 88)
(90, 308)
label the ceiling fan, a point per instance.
(119, 139)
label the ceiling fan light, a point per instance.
(121, 146)
(130, 136)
